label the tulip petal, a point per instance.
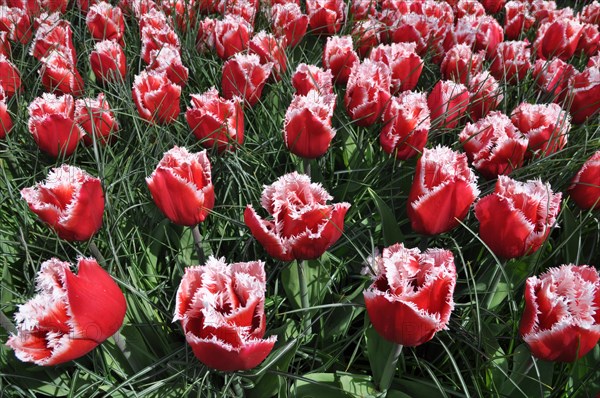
(263, 231)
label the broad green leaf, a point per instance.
(357, 385)
(391, 230)
(378, 350)
(318, 385)
(317, 276)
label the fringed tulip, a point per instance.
(584, 94)
(54, 37)
(518, 19)
(367, 92)
(156, 97)
(404, 63)
(168, 60)
(326, 16)
(585, 186)
(244, 76)
(10, 78)
(511, 61)
(5, 119)
(552, 76)
(108, 62)
(60, 75)
(270, 50)
(448, 102)
(106, 22)
(97, 119)
(484, 95)
(16, 22)
(460, 64)
(311, 77)
(232, 35)
(287, 20)
(339, 57)
(558, 39)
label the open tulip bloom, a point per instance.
(561, 320)
(411, 296)
(70, 314)
(221, 309)
(303, 225)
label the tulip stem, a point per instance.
(390, 368)
(7, 324)
(306, 321)
(97, 255)
(306, 166)
(198, 244)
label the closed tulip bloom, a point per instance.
(5, 119)
(287, 20)
(558, 38)
(52, 124)
(156, 97)
(407, 28)
(307, 130)
(339, 57)
(448, 101)
(16, 22)
(221, 310)
(585, 186)
(511, 61)
(517, 217)
(311, 77)
(269, 50)
(560, 321)
(54, 37)
(97, 119)
(552, 76)
(584, 92)
(363, 9)
(181, 186)
(70, 201)
(244, 76)
(70, 315)
(205, 39)
(367, 34)
(304, 226)
(484, 95)
(168, 60)
(216, 121)
(481, 33)
(404, 63)
(492, 6)
(590, 13)
(10, 78)
(411, 296)
(4, 44)
(406, 125)
(546, 126)
(464, 8)
(108, 62)
(517, 19)
(232, 35)
(60, 75)
(367, 92)
(494, 145)
(460, 63)
(326, 16)
(155, 38)
(443, 190)
(105, 22)
(589, 41)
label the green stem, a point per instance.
(306, 321)
(390, 368)
(198, 244)
(97, 255)
(306, 166)
(7, 324)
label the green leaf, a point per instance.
(357, 385)
(391, 230)
(378, 350)
(318, 385)
(317, 278)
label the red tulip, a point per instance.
(406, 125)
(106, 22)
(168, 60)
(492, 6)
(517, 217)
(558, 38)
(54, 37)
(52, 124)
(494, 145)
(484, 95)
(411, 295)
(447, 102)
(339, 57)
(481, 33)
(108, 62)
(221, 310)
(70, 201)
(460, 63)
(407, 28)
(585, 186)
(590, 13)
(181, 186)
(4, 44)
(363, 9)
(443, 190)
(367, 92)
(560, 321)
(304, 226)
(16, 23)
(404, 64)
(152, 18)
(69, 315)
(10, 78)
(205, 40)
(96, 119)
(156, 97)
(307, 130)
(269, 50)
(215, 121)
(546, 126)
(326, 16)
(552, 76)
(311, 77)
(60, 75)
(245, 9)
(232, 35)
(367, 34)
(154, 38)
(287, 20)
(511, 61)
(584, 92)
(589, 41)
(468, 8)
(5, 119)
(245, 77)
(517, 19)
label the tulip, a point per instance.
(546, 126)
(10, 78)
(447, 102)
(407, 28)
(304, 226)
(16, 22)
(52, 124)
(511, 61)
(406, 125)
(70, 201)
(404, 64)
(69, 315)
(460, 64)
(60, 75)
(517, 19)
(558, 38)
(443, 190)
(363, 9)
(245, 77)
(411, 295)
(590, 13)
(585, 186)
(367, 92)
(589, 41)
(54, 37)
(367, 34)
(246, 9)
(181, 186)
(168, 60)
(552, 76)
(4, 44)
(96, 119)
(484, 95)
(560, 319)
(326, 16)
(232, 35)
(221, 310)
(155, 38)
(517, 217)
(468, 8)
(311, 77)
(108, 62)
(156, 97)
(269, 50)
(494, 145)
(216, 121)
(106, 22)
(205, 39)
(492, 6)
(481, 33)
(339, 57)
(5, 119)
(307, 130)
(584, 93)
(287, 20)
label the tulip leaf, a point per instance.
(317, 277)
(378, 350)
(396, 394)
(391, 230)
(317, 385)
(528, 375)
(357, 385)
